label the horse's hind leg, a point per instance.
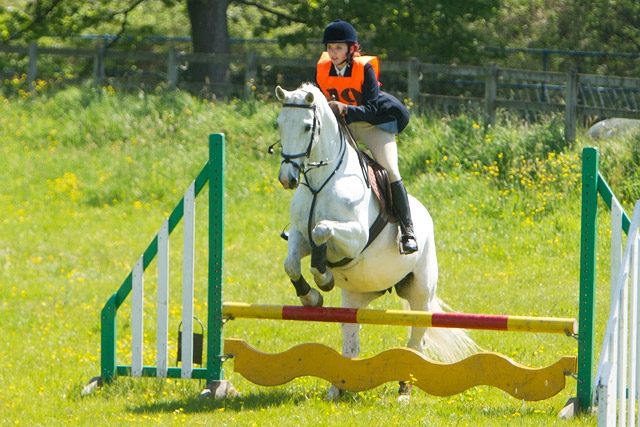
(351, 331)
(419, 290)
(447, 345)
(418, 298)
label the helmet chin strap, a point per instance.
(350, 54)
(348, 60)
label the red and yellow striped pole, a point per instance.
(233, 310)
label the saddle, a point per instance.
(378, 180)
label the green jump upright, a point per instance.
(216, 258)
(212, 173)
(586, 309)
(593, 186)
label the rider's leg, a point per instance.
(382, 145)
(401, 205)
(384, 149)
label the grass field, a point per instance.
(90, 175)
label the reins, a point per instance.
(352, 141)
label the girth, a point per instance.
(375, 229)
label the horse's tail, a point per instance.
(447, 345)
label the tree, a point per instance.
(428, 29)
(611, 28)
(209, 34)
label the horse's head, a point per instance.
(299, 124)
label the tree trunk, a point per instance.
(209, 34)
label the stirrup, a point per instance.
(408, 244)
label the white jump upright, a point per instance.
(137, 319)
(137, 299)
(618, 374)
(188, 273)
(162, 334)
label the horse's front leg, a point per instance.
(298, 248)
(346, 240)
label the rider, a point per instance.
(350, 83)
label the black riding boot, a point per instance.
(401, 206)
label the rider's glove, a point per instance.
(338, 108)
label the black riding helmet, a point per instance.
(339, 32)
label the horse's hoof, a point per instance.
(405, 389)
(334, 394)
(313, 298)
(329, 285)
(322, 232)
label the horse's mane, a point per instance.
(298, 96)
(310, 87)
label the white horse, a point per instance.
(330, 218)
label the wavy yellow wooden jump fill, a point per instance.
(400, 364)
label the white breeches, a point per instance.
(382, 145)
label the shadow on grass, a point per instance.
(253, 401)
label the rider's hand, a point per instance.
(338, 108)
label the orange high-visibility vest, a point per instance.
(348, 89)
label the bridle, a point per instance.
(288, 158)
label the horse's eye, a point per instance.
(307, 128)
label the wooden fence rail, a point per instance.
(483, 88)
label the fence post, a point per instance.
(33, 65)
(571, 104)
(250, 75)
(490, 91)
(413, 77)
(98, 66)
(172, 68)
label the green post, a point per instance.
(586, 311)
(216, 253)
(108, 341)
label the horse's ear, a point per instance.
(280, 94)
(309, 98)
